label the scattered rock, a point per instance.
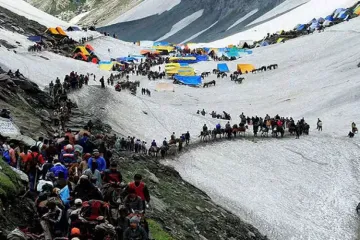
(152, 177)
(200, 209)
(251, 234)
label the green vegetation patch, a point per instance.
(157, 232)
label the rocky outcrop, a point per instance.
(183, 210)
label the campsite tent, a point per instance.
(164, 48)
(82, 50)
(314, 25)
(222, 67)
(61, 31)
(188, 80)
(110, 65)
(73, 28)
(89, 48)
(183, 59)
(321, 20)
(337, 12)
(329, 18)
(126, 59)
(164, 87)
(280, 40)
(343, 15)
(357, 10)
(327, 23)
(301, 27)
(245, 68)
(80, 56)
(264, 44)
(52, 31)
(183, 71)
(35, 38)
(161, 43)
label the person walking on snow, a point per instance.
(319, 125)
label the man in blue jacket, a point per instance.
(58, 167)
(100, 161)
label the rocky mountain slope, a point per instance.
(82, 10)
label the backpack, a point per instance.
(31, 164)
(6, 156)
(92, 209)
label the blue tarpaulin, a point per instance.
(126, 59)
(201, 58)
(264, 44)
(189, 80)
(65, 195)
(343, 14)
(184, 64)
(35, 38)
(301, 27)
(161, 43)
(222, 67)
(329, 18)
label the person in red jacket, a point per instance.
(140, 188)
(112, 175)
(33, 159)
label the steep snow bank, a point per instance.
(146, 8)
(182, 24)
(25, 9)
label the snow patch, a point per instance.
(77, 18)
(182, 24)
(289, 189)
(145, 9)
(243, 18)
(199, 33)
(283, 7)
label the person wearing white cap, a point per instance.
(101, 163)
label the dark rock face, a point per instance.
(226, 12)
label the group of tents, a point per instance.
(243, 68)
(85, 53)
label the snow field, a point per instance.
(145, 9)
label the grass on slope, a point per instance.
(157, 232)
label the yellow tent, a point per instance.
(172, 65)
(106, 66)
(174, 59)
(52, 31)
(60, 31)
(82, 49)
(357, 10)
(183, 71)
(245, 68)
(186, 73)
(164, 48)
(280, 40)
(164, 87)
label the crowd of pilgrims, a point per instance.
(79, 191)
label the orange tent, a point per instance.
(143, 52)
(89, 47)
(81, 56)
(52, 31)
(61, 31)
